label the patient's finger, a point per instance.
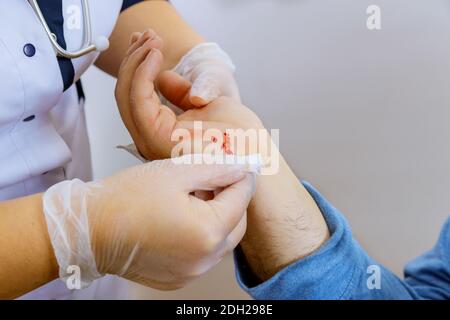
(141, 38)
(128, 69)
(154, 121)
(134, 37)
(123, 86)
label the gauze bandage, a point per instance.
(252, 163)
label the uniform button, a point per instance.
(29, 50)
(30, 118)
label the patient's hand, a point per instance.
(152, 124)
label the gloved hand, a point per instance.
(206, 66)
(211, 72)
(145, 225)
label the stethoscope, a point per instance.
(100, 44)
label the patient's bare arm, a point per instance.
(284, 224)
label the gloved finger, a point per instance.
(231, 204)
(210, 84)
(236, 235)
(232, 89)
(153, 120)
(206, 87)
(209, 195)
(175, 89)
(207, 176)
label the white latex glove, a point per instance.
(210, 70)
(145, 225)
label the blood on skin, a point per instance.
(226, 143)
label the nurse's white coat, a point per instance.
(51, 145)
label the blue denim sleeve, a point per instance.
(341, 269)
(429, 274)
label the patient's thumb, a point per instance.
(175, 89)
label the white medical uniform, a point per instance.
(43, 138)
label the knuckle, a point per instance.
(210, 240)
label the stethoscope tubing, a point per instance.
(87, 46)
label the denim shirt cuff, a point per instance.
(326, 274)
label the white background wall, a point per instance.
(364, 115)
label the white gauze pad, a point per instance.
(253, 163)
